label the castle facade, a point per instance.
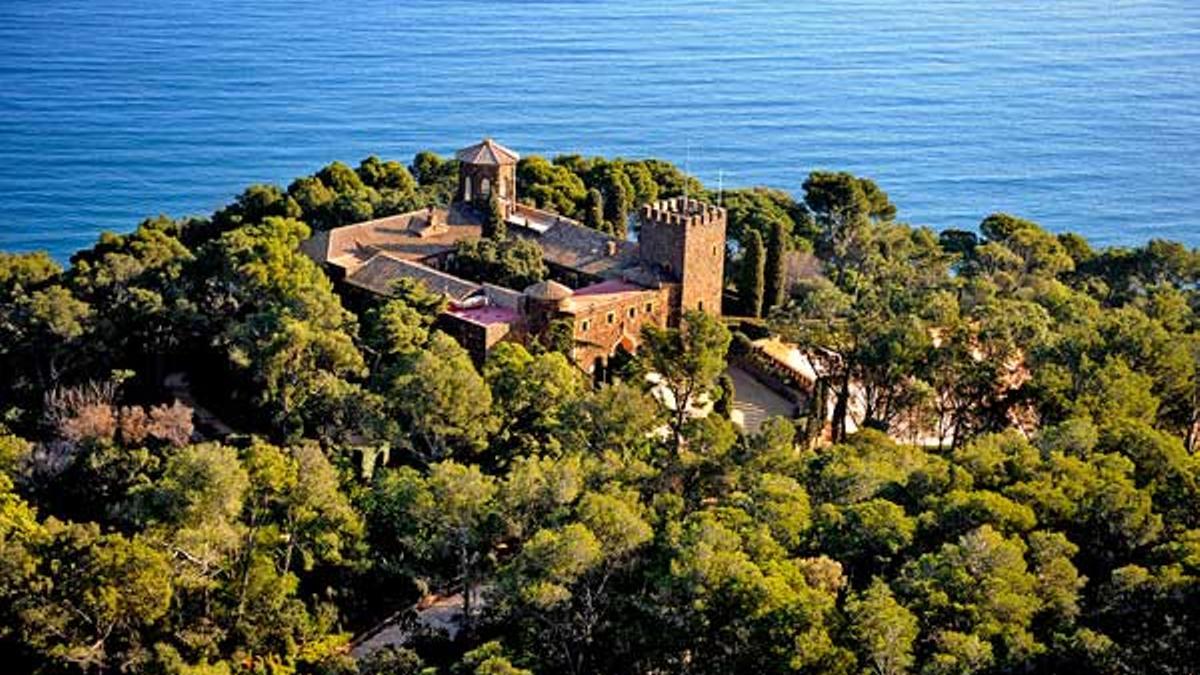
(604, 288)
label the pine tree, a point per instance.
(751, 281)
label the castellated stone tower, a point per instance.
(684, 240)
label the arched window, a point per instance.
(485, 188)
(467, 189)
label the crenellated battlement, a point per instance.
(683, 211)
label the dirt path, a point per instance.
(211, 425)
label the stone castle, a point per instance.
(603, 287)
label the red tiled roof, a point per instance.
(611, 291)
(608, 287)
(487, 315)
(382, 271)
(408, 236)
(487, 151)
(577, 247)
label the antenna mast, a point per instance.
(687, 172)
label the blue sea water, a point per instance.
(1081, 114)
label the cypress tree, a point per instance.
(593, 215)
(776, 248)
(723, 406)
(618, 203)
(751, 281)
(494, 226)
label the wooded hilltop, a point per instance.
(209, 464)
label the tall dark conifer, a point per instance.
(752, 277)
(776, 250)
(494, 226)
(593, 215)
(618, 202)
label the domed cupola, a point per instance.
(543, 301)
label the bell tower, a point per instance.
(485, 169)
(684, 241)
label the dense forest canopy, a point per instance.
(210, 464)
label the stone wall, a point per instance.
(660, 242)
(704, 266)
(596, 336)
(476, 338)
(685, 240)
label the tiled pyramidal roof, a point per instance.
(487, 151)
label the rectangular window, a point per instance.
(583, 327)
(612, 317)
(632, 312)
(649, 307)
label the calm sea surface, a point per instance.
(1081, 114)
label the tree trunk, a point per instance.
(817, 407)
(244, 583)
(464, 562)
(840, 410)
(682, 399)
